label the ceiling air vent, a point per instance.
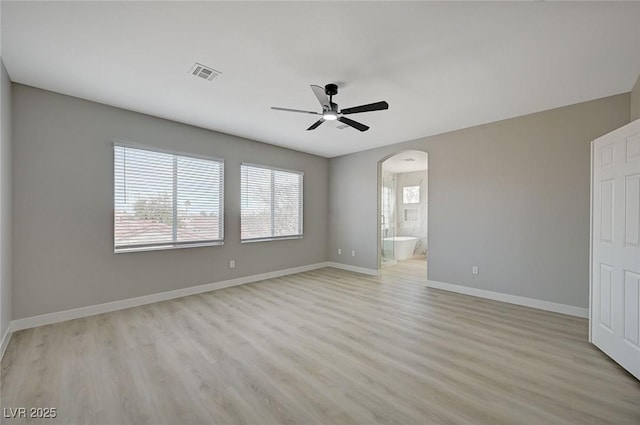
(204, 72)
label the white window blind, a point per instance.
(271, 203)
(166, 200)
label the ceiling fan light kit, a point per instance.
(330, 115)
(330, 111)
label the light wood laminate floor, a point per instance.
(323, 347)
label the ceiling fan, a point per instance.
(330, 111)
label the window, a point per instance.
(166, 200)
(271, 203)
(411, 195)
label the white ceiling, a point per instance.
(406, 162)
(441, 66)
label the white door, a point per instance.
(615, 242)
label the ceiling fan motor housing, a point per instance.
(331, 89)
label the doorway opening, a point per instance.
(403, 211)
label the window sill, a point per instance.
(165, 247)
(283, 238)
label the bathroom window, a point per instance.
(165, 200)
(271, 203)
(411, 195)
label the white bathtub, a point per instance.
(403, 246)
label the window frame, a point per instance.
(300, 174)
(413, 186)
(174, 244)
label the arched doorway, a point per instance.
(403, 193)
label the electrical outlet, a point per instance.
(232, 264)
(475, 270)
(339, 251)
(353, 253)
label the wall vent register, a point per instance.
(204, 72)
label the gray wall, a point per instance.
(5, 200)
(511, 197)
(635, 101)
(63, 206)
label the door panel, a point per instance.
(632, 308)
(607, 188)
(606, 275)
(632, 210)
(615, 246)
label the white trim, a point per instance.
(591, 237)
(166, 246)
(272, 238)
(511, 299)
(76, 313)
(356, 269)
(269, 167)
(151, 148)
(5, 340)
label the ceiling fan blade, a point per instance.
(354, 124)
(378, 106)
(295, 110)
(322, 97)
(316, 124)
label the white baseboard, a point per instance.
(76, 313)
(363, 270)
(512, 299)
(5, 340)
